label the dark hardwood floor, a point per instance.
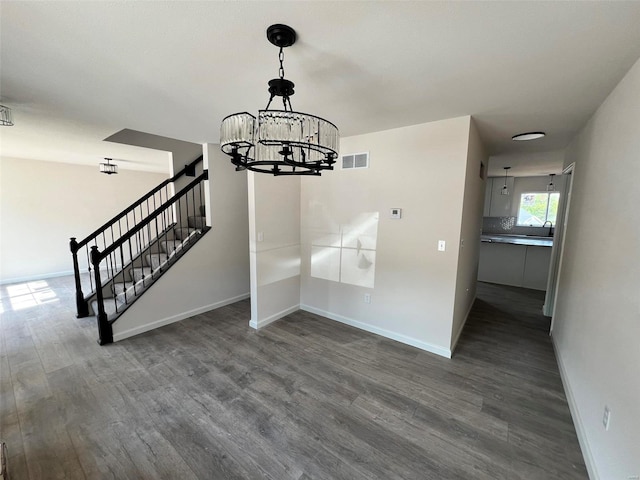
(305, 398)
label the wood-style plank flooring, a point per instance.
(305, 398)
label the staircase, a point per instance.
(139, 275)
(130, 252)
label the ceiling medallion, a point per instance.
(280, 142)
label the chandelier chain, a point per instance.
(281, 58)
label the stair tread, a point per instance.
(125, 293)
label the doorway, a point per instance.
(558, 246)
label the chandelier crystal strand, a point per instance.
(280, 142)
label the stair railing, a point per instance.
(184, 204)
(114, 229)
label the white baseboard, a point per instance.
(30, 278)
(175, 318)
(443, 352)
(272, 318)
(577, 420)
(456, 337)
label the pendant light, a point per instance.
(108, 167)
(551, 187)
(6, 119)
(280, 142)
(505, 190)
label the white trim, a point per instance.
(176, 318)
(575, 414)
(30, 278)
(456, 337)
(272, 318)
(443, 352)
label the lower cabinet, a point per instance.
(516, 265)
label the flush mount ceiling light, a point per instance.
(108, 167)
(5, 116)
(505, 190)
(551, 187)
(522, 137)
(280, 142)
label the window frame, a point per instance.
(546, 213)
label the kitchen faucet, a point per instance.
(550, 234)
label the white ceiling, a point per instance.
(75, 73)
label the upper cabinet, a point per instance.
(495, 204)
(487, 197)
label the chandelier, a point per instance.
(280, 142)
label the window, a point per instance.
(537, 208)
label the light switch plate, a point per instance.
(442, 245)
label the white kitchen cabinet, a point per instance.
(502, 263)
(500, 205)
(516, 265)
(487, 197)
(536, 268)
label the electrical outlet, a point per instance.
(442, 245)
(606, 417)
(367, 298)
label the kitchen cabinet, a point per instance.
(487, 197)
(536, 268)
(516, 265)
(495, 204)
(502, 263)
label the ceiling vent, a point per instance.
(355, 160)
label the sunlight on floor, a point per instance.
(30, 294)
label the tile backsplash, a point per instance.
(507, 225)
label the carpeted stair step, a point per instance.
(171, 246)
(156, 260)
(183, 232)
(197, 222)
(120, 287)
(109, 306)
(139, 273)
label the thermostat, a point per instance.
(396, 213)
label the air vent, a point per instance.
(355, 160)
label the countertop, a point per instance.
(530, 241)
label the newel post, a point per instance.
(81, 304)
(105, 332)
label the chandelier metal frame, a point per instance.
(280, 142)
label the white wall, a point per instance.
(214, 272)
(350, 246)
(274, 232)
(43, 204)
(471, 225)
(596, 327)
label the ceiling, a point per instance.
(75, 73)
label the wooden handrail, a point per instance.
(129, 209)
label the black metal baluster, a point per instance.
(86, 249)
(124, 279)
